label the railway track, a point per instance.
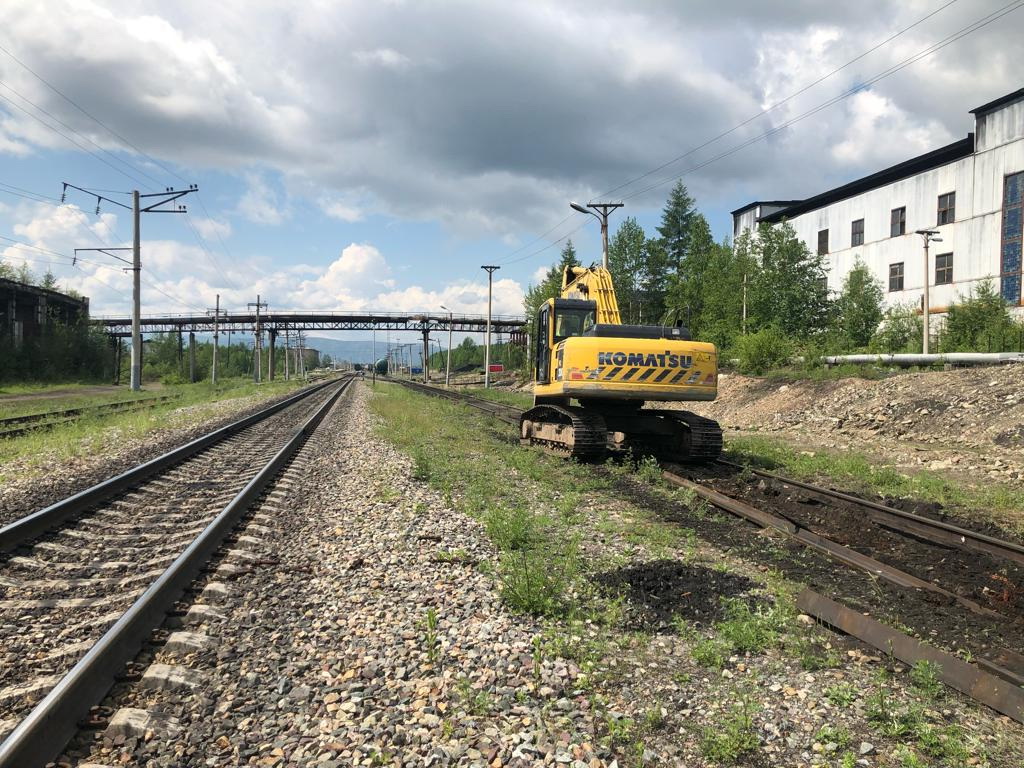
(953, 564)
(14, 426)
(85, 581)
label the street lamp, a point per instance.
(604, 210)
(448, 365)
(929, 236)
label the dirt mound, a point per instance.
(968, 419)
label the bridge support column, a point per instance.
(115, 348)
(181, 355)
(426, 355)
(192, 357)
(271, 357)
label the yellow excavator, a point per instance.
(583, 352)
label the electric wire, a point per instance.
(962, 32)
(922, 54)
(780, 102)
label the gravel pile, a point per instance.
(359, 630)
(969, 419)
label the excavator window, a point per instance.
(573, 322)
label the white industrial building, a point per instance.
(970, 192)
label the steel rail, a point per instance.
(41, 736)
(31, 526)
(82, 409)
(936, 531)
(50, 419)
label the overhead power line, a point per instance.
(922, 54)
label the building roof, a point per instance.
(19, 287)
(920, 164)
(748, 206)
(1015, 96)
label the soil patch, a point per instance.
(660, 590)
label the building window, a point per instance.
(944, 269)
(822, 242)
(898, 222)
(896, 277)
(1013, 238)
(947, 208)
(857, 232)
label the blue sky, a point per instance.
(373, 156)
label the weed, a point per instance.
(538, 581)
(814, 654)
(420, 465)
(454, 556)
(841, 694)
(891, 720)
(447, 729)
(925, 677)
(648, 471)
(430, 636)
(848, 760)
(475, 702)
(732, 738)
(908, 758)
(511, 529)
(943, 743)
(750, 631)
(709, 653)
(619, 730)
(829, 734)
(378, 758)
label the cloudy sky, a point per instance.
(373, 155)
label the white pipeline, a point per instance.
(909, 360)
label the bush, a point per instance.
(900, 331)
(760, 352)
(981, 322)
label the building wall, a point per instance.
(975, 238)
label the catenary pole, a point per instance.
(136, 380)
(487, 351)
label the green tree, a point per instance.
(687, 288)
(900, 330)
(787, 289)
(49, 281)
(24, 275)
(675, 225)
(627, 261)
(551, 285)
(859, 307)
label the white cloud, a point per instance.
(337, 209)
(388, 58)
(213, 228)
(261, 204)
(539, 275)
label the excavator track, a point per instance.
(705, 435)
(565, 431)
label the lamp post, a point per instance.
(487, 352)
(929, 236)
(599, 211)
(448, 365)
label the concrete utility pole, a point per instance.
(168, 195)
(257, 368)
(216, 339)
(448, 365)
(192, 357)
(599, 211)
(487, 351)
(929, 236)
(287, 354)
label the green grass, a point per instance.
(506, 396)
(92, 434)
(860, 474)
